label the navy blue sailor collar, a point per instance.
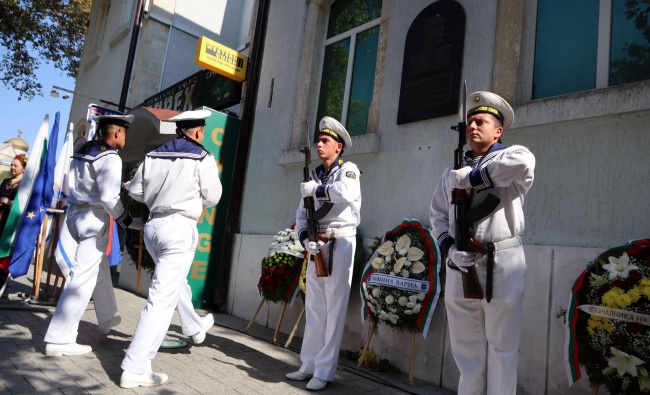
(93, 150)
(491, 152)
(337, 163)
(180, 148)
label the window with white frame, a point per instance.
(588, 44)
(99, 29)
(128, 8)
(348, 76)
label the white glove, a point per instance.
(459, 179)
(313, 247)
(308, 188)
(461, 259)
(136, 224)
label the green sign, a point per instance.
(221, 134)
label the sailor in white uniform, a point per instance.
(176, 181)
(94, 182)
(485, 332)
(335, 187)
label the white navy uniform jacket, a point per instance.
(340, 186)
(507, 173)
(179, 177)
(96, 178)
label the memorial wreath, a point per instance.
(281, 268)
(400, 284)
(608, 320)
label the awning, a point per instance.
(148, 131)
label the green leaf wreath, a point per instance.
(281, 267)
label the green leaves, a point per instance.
(33, 31)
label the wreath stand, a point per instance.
(365, 348)
(295, 328)
(277, 327)
(594, 389)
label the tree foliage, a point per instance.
(636, 65)
(33, 31)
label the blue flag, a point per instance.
(39, 201)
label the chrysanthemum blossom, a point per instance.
(619, 267)
(623, 362)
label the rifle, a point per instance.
(464, 216)
(312, 222)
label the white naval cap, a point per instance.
(190, 119)
(334, 129)
(114, 119)
(490, 103)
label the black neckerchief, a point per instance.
(477, 161)
(323, 174)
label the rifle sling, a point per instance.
(483, 209)
(323, 210)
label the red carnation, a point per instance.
(621, 284)
(635, 327)
(636, 275)
(620, 339)
(280, 270)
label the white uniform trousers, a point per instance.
(90, 276)
(485, 336)
(326, 307)
(171, 242)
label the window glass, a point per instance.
(630, 49)
(565, 47)
(128, 6)
(363, 81)
(349, 63)
(332, 89)
(348, 14)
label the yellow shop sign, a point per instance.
(220, 59)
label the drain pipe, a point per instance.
(137, 23)
(241, 156)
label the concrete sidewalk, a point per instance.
(228, 362)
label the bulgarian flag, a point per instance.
(40, 199)
(15, 216)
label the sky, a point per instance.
(28, 115)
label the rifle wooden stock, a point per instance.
(319, 265)
(471, 284)
(313, 235)
(319, 262)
